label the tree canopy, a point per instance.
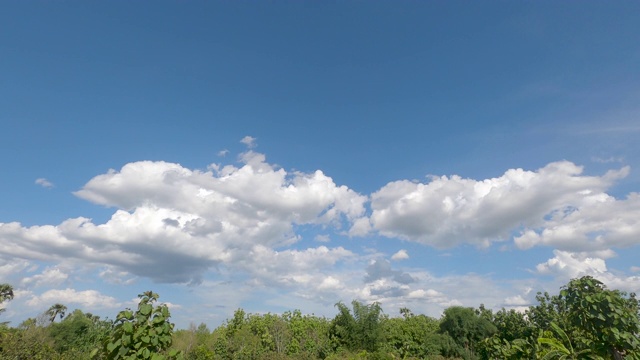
(585, 320)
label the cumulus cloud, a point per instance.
(567, 265)
(44, 183)
(290, 267)
(448, 211)
(172, 223)
(400, 255)
(380, 269)
(113, 276)
(50, 277)
(250, 141)
(360, 227)
(12, 266)
(596, 222)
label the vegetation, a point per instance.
(143, 334)
(584, 321)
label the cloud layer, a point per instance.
(172, 224)
(555, 205)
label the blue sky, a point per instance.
(282, 155)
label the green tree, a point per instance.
(558, 346)
(79, 331)
(359, 330)
(56, 310)
(6, 294)
(143, 334)
(607, 320)
(467, 328)
(412, 336)
(307, 335)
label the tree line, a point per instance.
(585, 320)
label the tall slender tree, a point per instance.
(56, 310)
(6, 293)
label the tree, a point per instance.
(360, 330)
(607, 320)
(559, 346)
(79, 331)
(412, 336)
(585, 321)
(6, 294)
(55, 310)
(143, 334)
(467, 328)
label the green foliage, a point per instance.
(560, 346)
(360, 330)
(79, 331)
(56, 310)
(550, 309)
(269, 336)
(143, 334)
(31, 343)
(6, 293)
(195, 343)
(308, 334)
(585, 321)
(607, 319)
(467, 328)
(412, 336)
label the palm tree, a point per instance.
(6, 293)
(55, 310)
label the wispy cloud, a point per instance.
(44, 183)
(611, 159)
(250, 141)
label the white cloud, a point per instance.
(517, 300)
(44, 183)
(400, 255)
(290, 267)
(597, 222)
(570, 265)
(11, 267)
(90, 299)
(49, 277)
(249, 141)
(381, 269)
(448, 211)
(223, 153)
(113, 276)
(567, 265)
(360, 227)
(173, 223)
